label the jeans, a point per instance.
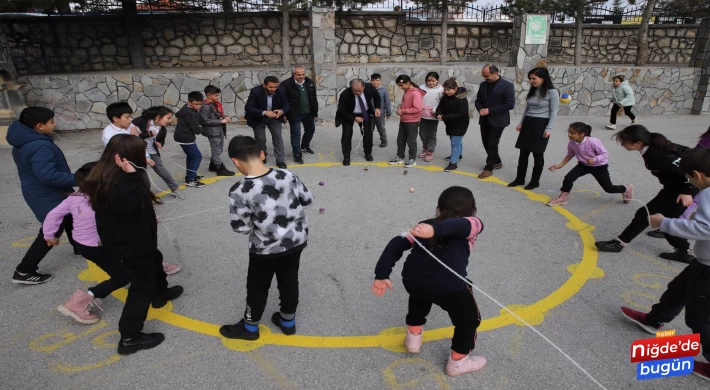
(309, 128)
(407, 136)
(456, 148)
(193, 160)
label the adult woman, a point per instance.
(536, 126)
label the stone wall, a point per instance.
(617, 44)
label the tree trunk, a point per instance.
(444, 29)
(135, 41)
(285, 39)
(642, 52)
(227, 6)
(579, 18)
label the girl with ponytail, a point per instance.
(592, 159)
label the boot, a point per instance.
(79, 308)
(520, 178)
(223, 171)
(212, 167)
(535, 179)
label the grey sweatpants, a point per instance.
(407, 136)
(427, 132)
(380, 123)
(159, 168)
(216, 147)
(274, 126)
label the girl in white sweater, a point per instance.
(429, 123)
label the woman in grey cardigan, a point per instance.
(536, 126)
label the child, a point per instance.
(187, 127)
(453, 110)
(214, 124)
(592, 158)
(127, 227)
(623, 97)
(450, 237)
(376, 80)
(662, 158)
(691, 288)
(152, 129)
(410, 113)
(429, 123)
(268, 205)
(120, 116)
(45, 179)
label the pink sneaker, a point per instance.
(171, 268)
(413, 342)
(559, 201)
(467, 364)
(429, 156)
(629, 194)
(80, 307)
(641, 320)
(423, 153)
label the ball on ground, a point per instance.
(322, 210)
(321, 183)
(411, 189)
(565, 98)
(366, 168)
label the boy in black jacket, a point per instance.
(187, 127)
(453, 110)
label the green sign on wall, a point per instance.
(536, 30)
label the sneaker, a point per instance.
(410, 163)
(423, 153)
(307, 150)
(450, 167)
(171, 269)
(195, 184)
(298, 160)
(223, 171)
(281, 165)
(80, 307)
(383, 144)
(635, 120)
(178, 194)
(609, 246)
(396, 161)
(278, 321)
(611, 127)
(641, 320)
(467, 364)
(199, 177)
(656, 234)
(131, 345)
(169, 294)
(702, 370)
(238, 331)
(498, 166)
(460, 158)
(629, 194)
(560, 200)
(429, 156)
(413, 342)
(680, 256)
(30, 278)
(212, 167)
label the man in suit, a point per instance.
(356, 106)
(495, 99)
(266, 107)
(301, 93)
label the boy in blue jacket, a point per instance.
(45, 179)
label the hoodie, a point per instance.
(412, 105)
(188, 125)
(45, 177)
(431, 100)
(454, 110)
(624, 95)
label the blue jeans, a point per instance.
(309, 127)
(194, 157)
(456, 148)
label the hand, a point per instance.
(399, 112)
(555, 167)
(440, 117)
(150, 162)
(124, 164)
(546, 134)
(226, 120)
(358, 119)
(52, 242)
(686, 200)
(378, 113)
(286, 118)
(134, 130)
(422, 230)
(517, 128)
(483, 112)
(591, 160)
(159, 145)
(380, 286)
(278, 113)
(656, 220)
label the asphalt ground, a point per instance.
(536, 260)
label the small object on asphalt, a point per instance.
(406, 171)
(322, 210)
(366, 168)
(321, 183)
(411, 189)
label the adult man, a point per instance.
(301, 94)
(495, 99)
(266, 107)
(353, 107)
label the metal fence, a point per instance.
(466, 12)
(630, 15)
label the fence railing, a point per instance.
(630, 15)
(462, 13)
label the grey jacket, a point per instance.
(210, 121)
(697, 229)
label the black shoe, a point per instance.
(171, 293)
(532, 185)
(679, 256)
(223, 171)
(368, 157)
(346, 162)
(281, 165)
(307, 150)
(383, 144)
(288, 330)
(199, 177)
(128, 346)
(31, 278)
(516, 182)
(656, 234)
(450, 167)
(212, 167)
(195, 184)
(298, 160)
(609, 246)
(449, 158)
(238, 331)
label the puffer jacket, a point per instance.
(624, 95)
(211, 122)
(454, 112)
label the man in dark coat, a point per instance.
(495, 99)
(301, 94)
(266, 107)
(353, 107)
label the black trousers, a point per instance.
(148, 280)
(689, 290)
(39, 247)
(261, 272)
(490, 136)
(600, 173)
(110, 264)
(664, 203)
(461, 307)
(615, 109)
(539, 165)
(366, 129)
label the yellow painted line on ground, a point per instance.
(391, 338)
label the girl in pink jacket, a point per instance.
(410, 114)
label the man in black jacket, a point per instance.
(301, 94)
(266, 107)
(495, 99)
(353, 107)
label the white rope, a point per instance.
(195, 213)
(508, 310)
(151, 180)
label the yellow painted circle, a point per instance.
(391, 338)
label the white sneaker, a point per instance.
(467, 364)
(611, 127)
(413, 342)
(178, 195)
(410, 163)
(396, 161)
